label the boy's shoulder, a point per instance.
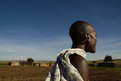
(76, 58)
(80, 64)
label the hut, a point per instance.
(14, 63)
(36, 64)
(45, 64)
(41, 64)
(24, 63)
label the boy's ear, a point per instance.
(87, 37)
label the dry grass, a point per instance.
(30, 73)
(105, 74)
(23, 73)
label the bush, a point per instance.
(107, 58)
(30, 60)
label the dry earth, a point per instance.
(30, 73)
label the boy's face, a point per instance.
(91, 44)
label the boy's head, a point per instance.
(83, 35)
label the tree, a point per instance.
(30, 60)
(107, 58)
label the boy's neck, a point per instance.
(78, 46)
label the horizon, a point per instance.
(54, 60)
(39, 28)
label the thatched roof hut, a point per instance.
(14, 63)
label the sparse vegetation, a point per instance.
(31, 73)
(108, 58)
(30, 60)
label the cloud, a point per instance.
(104, 43)
(107, 40)
(56, 42)
(48, 49)
(15, 50)
(36, 49)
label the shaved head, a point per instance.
(78, 29)
(81, 32)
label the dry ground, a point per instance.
(105, 74)
(30, 73)
(23, 73)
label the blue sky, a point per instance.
(39, 28)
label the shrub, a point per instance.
(107, 58)
(30, 60)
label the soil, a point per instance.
(31, 73)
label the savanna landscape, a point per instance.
(40, 29)
(39, 73)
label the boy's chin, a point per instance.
(93, 51)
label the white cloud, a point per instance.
(105, 43)
(38, 49)
(107, 40)
(48, 49)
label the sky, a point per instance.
(39, 28)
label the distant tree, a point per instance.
(30, 60)
(107, 58)
(93, 61)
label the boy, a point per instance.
(71, 64)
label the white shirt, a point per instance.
(63, 70)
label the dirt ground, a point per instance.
(31, 73)
(104, 74)
(23, 73)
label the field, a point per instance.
(23, 73)
(104, 74)
(31, 73)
